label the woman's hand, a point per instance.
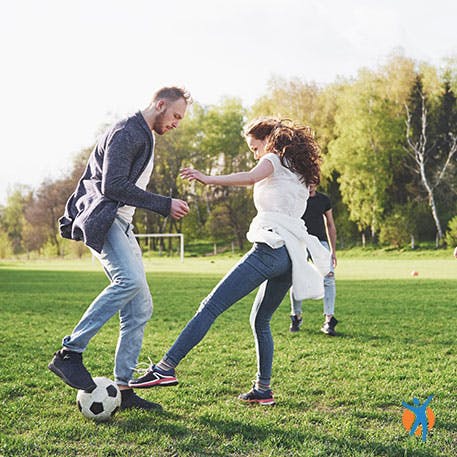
(193, 175)
(243, 178)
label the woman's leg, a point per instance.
(269, 297)
(259, 265)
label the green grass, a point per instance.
(335, 396)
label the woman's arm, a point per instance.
(244, 178)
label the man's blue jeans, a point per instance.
(128, 293)
(271, 269)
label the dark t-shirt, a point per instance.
(314, 215)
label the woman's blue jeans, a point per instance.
(127, 294)
(271, 269)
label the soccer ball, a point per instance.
(102, 403)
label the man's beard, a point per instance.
(159, 126)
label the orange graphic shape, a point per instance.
(409, 417)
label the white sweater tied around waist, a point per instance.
(276, 230)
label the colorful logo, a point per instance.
(418, 419)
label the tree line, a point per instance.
(389, 145)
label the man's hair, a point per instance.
(172, 94)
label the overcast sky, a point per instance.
(70, 67)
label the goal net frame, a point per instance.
(166, 235)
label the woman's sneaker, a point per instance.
(262, 397)
(154, 376)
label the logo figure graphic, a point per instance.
(417, 418)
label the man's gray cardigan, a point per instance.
(109, 181)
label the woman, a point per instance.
(289, 160)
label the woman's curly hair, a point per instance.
(293, 143)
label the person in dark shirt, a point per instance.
(319, 221)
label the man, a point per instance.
(319, 221)
(99, 213)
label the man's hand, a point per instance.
(179, 208)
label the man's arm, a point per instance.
(120, 154)
(331, 234)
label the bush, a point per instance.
(451, 233)
(395, 230)
(6, 247)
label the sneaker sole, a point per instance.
(266, 402)
(156, 383)
(61, 375)
(151, 407)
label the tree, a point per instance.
(295, 99)
(219, 148)
(12, 221)
(366, 149)
(431, 148)
(46, 208)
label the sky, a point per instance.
(69, 68)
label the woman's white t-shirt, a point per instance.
(282, 191)
(280, 200)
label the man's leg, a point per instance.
(330, 294)
(127, 280)
(329, 300)
(295, 312)
(126, 273)
(133, 319)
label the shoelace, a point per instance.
(144, 367)
(258, 390)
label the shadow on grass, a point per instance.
(449, 426)
(294, 442)
(136, 419)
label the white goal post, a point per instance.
(166, 235)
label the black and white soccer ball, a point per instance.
(102, 403)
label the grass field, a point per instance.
(335, 396)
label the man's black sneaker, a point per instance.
(154, 376)
(68, 365)
(131, 400)
(264, 398)
(329, 327)
(295, 323)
